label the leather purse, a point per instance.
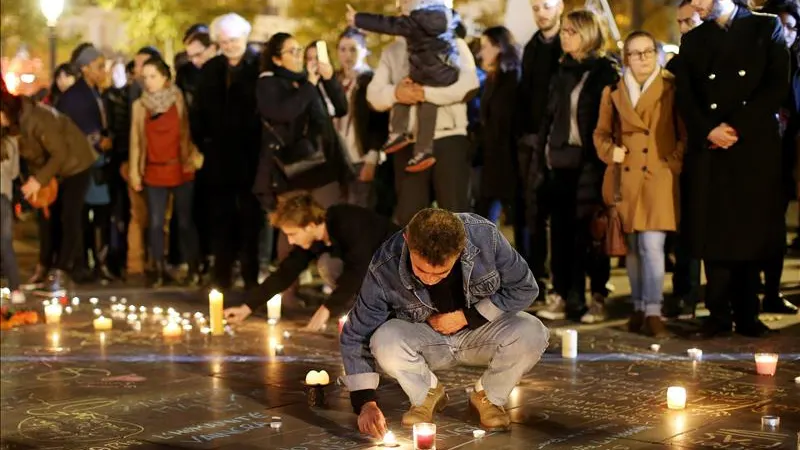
(299, 158)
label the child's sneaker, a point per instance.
(17, 297)
(397, 142)
(420, 163)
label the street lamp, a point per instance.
(52, 9)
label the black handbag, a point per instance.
(298, 158)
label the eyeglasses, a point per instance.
(647, 54)
(296, 51)
(568, 31)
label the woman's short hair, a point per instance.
(633, 35)
(588, 26)
(232, 24)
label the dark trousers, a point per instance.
(237, 222)
(773, 269)
(426, 124)
(574, 255)
(686, 275)
(65, 226)
(447, 182)
(732, 292)
(8, 259)
(493, 209)
(157, 198)
(96, 234)
(202, 213)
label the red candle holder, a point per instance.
(424, 436)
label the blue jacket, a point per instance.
(496, 281)
(83, 105)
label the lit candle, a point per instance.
(172, 329)
(113, 299)
(274, 309)
(424, 436)
(205, 330)
(766, 363)
(389, 440)
(215, 302)
(695, 353)
(478, 434)
(76, 301)
(124, 301)
(287, 335)
(342, 321)
(655, 347)
(279, 349)
(131, 308)
(142, 309)
(52, 313)
(569, 344)
(312, 378)
(93, 300)
(68, 310)
(158, 311)
(97, 311)
(102, 323)
(132, 318)
(676, 397)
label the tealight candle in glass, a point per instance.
(766, 363)
(425, 436)
(676, 397)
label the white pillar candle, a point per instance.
(102, 323)
(215, 301)
(695, 353)
(676, 397)
(569, 344)
(52, 313)
(274, 309)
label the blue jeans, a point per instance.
(157, 198)
(510, 346)
(8, 260)
(645, 264)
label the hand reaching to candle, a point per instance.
(318, 320)
(371, 420)
(31, 188)
(236, 314)
(448, 323)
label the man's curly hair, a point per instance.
(436, 235)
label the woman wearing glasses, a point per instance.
(574, 182)
(641, 139)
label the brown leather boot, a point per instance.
(654, 326)
(493, 417)
(434, 402)
(636, 321)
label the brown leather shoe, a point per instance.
(493, 417)
(654, 326)
(636, 321)
(434, 402)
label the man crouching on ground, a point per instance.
(450, 290)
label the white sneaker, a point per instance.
(555, 309)
(17, 298)
(595, 314)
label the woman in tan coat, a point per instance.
(640, 138)
(163, 161)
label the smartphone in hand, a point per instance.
(322, 52)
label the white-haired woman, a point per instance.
(231, 132)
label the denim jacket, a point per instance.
(496, 281)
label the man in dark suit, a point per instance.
(732, 78)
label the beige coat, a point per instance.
(191, 159)
(654, 139)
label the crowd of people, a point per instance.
(578, 148)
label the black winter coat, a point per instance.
(430, 36)
(228, 121)
(295, 110)
(498, 137)
(738, 76)
(554, 133)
